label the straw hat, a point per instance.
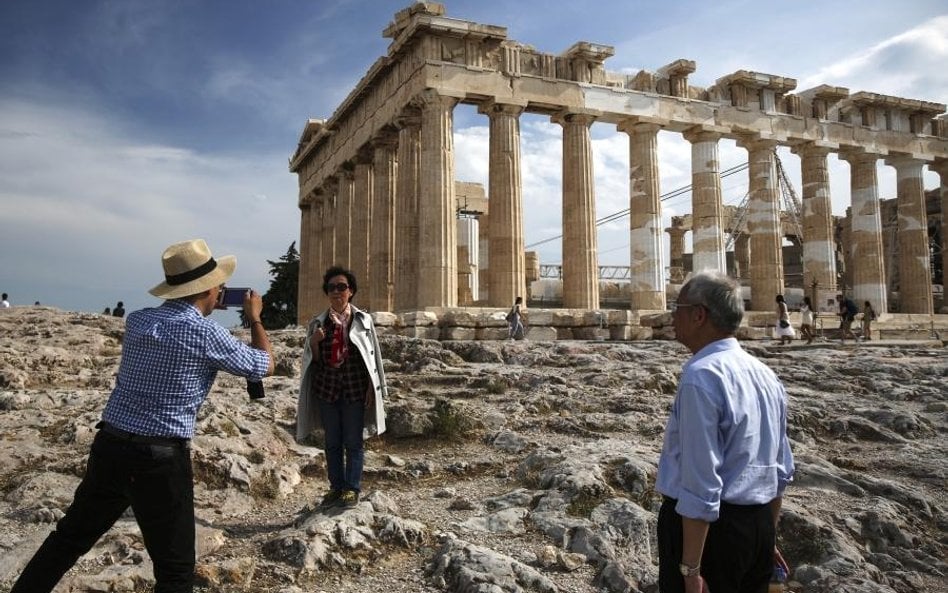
(190, 269)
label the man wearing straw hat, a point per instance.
(141, 455)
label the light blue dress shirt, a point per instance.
(170, 358)
(726, 437)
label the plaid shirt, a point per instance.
(350, 381)
(170, 358)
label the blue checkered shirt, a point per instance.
(170, 358)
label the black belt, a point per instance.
(725, 506)
(130, 437)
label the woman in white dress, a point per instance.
(806, 323)
(784, 329)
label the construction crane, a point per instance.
(790, 204)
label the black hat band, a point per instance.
(202, 270)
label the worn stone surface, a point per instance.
(509, 466)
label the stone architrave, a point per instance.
(915, 274)
(707, 210)
(819, 246)
(362, 224)
(344, 199)
(382, 233)
(763, 224)
(865, 238)
(437, 246)
(580, 258)
(506, 265)
(940, 166)
(646, 265)
(676, 253)
(406, 218)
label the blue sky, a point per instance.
(127, 125)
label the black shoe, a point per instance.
(349, 498)
(331, 499)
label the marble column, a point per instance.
(315, 233)
(707, 210)
(327, 248)
(506, 265)
(305, 301)
(382, 233)
(437, 205)
(406, 217)
(580, 258)
(915, 273)
(362, 226)
(646, 265)
(940, 166)
(819, 247)
(344, 199)
(763, 224)
(865, 238)
(676, 252)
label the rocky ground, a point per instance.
(508, 466)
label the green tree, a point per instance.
(279, 303)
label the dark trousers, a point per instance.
(738, 552)
(343, 423)
(156, 481)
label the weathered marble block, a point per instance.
(458, 333)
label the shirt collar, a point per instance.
(182, 306)
(714, 347)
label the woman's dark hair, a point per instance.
(339, 271)
(806, 300)
(518, 301)
(779, 298)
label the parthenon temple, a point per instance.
(378, 194)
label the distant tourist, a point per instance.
(5, 304)
(868, 316)
(107, 311)
(726, 458)
(141, 455)
(343, 388)
(847, 314)
(119, 310)
(515, 320)
(806, 324)
(784, 329)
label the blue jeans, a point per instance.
(156, 481)
(343, 423)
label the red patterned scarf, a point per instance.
(340, 342)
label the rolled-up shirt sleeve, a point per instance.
(229, 354)
(699, 420)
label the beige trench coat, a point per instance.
(362, 336)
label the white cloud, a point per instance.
(83, 198)
(910, 64)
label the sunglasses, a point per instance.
(338, 287)
(676, 305)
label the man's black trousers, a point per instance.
(156, 480)
(738, 553)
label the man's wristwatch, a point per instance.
(689, 571)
